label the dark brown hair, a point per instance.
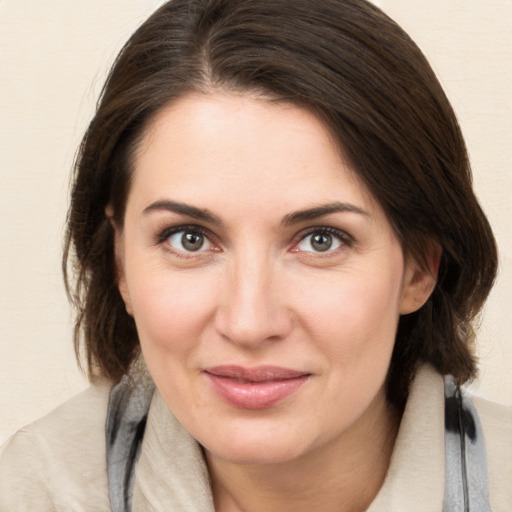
(363, 76)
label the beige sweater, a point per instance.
(58, 463)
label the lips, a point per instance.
(255, 388)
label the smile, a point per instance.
(254, 388)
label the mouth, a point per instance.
(255, 388)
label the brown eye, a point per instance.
(192, 241)
(188, 240)
(323, 240)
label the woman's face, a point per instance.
(265, 282)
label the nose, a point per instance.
(253, 308)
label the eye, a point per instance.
(186, 239)
(322, 240)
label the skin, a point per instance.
(259, 292)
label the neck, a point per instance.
(344, 475)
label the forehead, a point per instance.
(249, 148)
(240, 120)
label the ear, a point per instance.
(420, 279)
(119, 259)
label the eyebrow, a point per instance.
(296, 217)
(322, 210)
(201, 214)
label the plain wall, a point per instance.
(53, 59)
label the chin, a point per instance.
(259, 444)
(255, 454)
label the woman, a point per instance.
(278, 254)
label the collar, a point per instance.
(171, 473)
(415, 478)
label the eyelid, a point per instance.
(164, 234)
(345, 239)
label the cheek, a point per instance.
(354, 326)
(355, 314)
(170, 309)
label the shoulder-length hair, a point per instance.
(365, 78)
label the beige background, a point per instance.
(53, 58)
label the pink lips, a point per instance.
(254, 388)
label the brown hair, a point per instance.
(355, 68)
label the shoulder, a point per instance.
(496, 422)
(58, 462)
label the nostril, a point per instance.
(246, 328)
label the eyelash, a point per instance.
(164, 235)
(344, 238)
